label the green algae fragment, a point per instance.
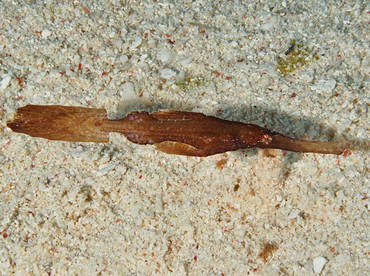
(192, 83)
(296, 56)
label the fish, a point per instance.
(170, 131)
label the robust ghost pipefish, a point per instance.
(174, 132)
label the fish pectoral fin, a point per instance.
(172, 147)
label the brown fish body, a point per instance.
(203, 135)
(176, 132)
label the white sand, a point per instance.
(123, 209)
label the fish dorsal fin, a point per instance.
(173, 115)
(172, 147)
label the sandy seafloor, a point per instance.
(125, 209)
